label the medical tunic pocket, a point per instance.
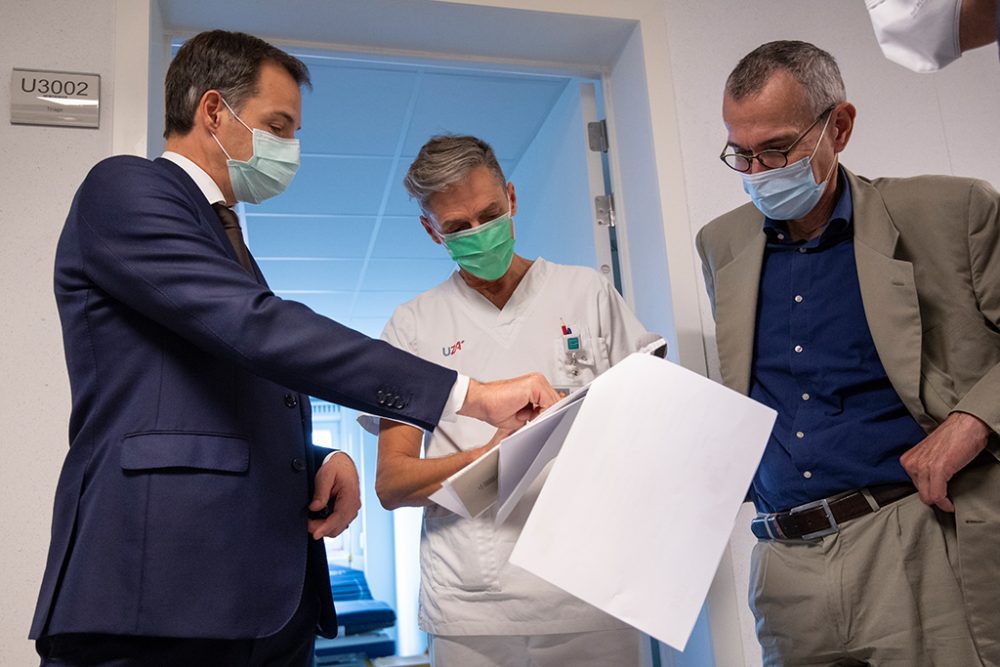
(459, 554)
(576, 367)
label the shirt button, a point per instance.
(807, 474)
(298, 465)
(798, 298)
(802, 249)
(798, 348)
(800, 435)
(291, 401)
(805, 397)
(781, 237)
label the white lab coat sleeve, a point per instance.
(620, 328)
(921, 35)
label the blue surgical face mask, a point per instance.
(268, 171)
(788, 193)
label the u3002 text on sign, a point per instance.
(67, 99)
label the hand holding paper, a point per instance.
(505, 472)
(508, 403)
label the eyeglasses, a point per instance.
(772, 158)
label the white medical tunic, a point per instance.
(468, 587)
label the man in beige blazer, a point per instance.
(867, 313)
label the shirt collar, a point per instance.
(836, 228)
(208, 187)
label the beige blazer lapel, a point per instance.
(736, 286)
(889, 294)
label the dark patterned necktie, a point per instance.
(231, 223)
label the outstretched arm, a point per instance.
(403, 478)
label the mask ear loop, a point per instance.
(236, 116)
(816, 148)
(222, 147)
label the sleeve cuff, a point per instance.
(456, 399)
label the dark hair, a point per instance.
(445, 160)
(219, 60)
(814, 69)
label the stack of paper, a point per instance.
(504, 473)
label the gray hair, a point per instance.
(814, 69)
(445, 160)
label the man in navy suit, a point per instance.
(189, 511)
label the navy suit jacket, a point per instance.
(181, 507)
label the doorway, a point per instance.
(345, 238)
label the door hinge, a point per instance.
(604, 205)
(597, 135)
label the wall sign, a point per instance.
(40, 97)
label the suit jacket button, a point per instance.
(298, 465)
(399, 405)
(291, 401)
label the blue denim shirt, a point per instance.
(840, 425)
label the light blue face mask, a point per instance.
(268, 171)
(788, 193)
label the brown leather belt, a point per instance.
(823, 517)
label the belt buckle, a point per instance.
(825, 505)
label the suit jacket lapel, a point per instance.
(208, 216)
(889, 294)
(737, 284)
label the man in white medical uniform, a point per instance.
(926, 35)
(499, 315)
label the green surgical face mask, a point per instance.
(485, 251)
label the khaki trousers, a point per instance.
(976, 492)
(886, 590)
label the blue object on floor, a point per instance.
(357, 616)
(362, 622)
(353, 648)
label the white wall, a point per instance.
(907, 124)
(41, 170)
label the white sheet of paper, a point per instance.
(639, 505)
(521, 465)
(473, 489)
(447, 499)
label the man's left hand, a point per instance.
(948, 449)
(336, 481)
